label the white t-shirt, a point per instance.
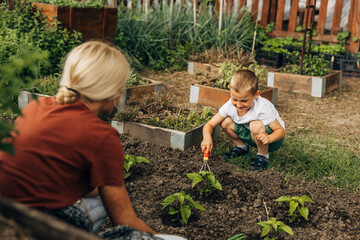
(262, 109)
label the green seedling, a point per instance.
(277, 226)
(130, 161)
(296, 203)
(180, 205)
(207, 180)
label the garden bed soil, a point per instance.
(243, 202)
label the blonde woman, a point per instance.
(64, 152)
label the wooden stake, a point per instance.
(194, 12)
(171, 10)
(220, 16)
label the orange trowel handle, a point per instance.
(206, 155)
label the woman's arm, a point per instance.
(119, 208)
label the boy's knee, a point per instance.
(257, 127)
(227, 124)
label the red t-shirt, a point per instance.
(62, 153)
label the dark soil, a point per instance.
(245, 198)
(248, 197)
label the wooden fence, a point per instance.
(273, 11)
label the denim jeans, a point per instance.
(89, 214)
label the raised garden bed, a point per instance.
(93, 23)
(216, 97)
(162, 136)
(202, 68)
(131, 94)
(314, 86)
(154, 118)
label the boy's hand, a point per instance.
(264, 138)
(206, 145)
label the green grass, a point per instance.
(310, 156)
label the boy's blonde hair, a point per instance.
(244, 81)
(93, 70)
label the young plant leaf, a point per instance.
(286, 229)
(185, 213)
(307, 199)
(304, 211)
(266, 229)
(168, 200)
(293, 206)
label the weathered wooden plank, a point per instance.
(280, 15)
(322, 17)
(41, 226)
(265, 13)
(336, 17)
(254, 9)
(293, 83)
(319, 37)
(293, 15)
(355, 28)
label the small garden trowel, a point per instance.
(205, 166)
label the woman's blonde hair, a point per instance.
(244, 81)
(93, 70)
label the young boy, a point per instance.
(248, 120)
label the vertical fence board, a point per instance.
(273, 7)
(293, 15)
(322, 16)
(265, 13)
(355, 27)
(280, 15)
(336, 17)
(254, 9)
(351, 12)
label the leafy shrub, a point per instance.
(296, 203)
(180, 205)
(16, 74)
(47, 85)
(25, 28)
(131, 161)
(228, 69)
(207, 181)
(277, 226)
(74, 3)
(312, 66)
(134, 79)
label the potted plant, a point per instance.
(317, 80)
(92, 18)
(157, 120)
(215, 92)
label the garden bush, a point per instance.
(25, 28)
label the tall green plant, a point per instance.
(152, 43)
(16, 74)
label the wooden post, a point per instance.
(280, 15)
(337, 17)
(355, 26)
(322, 17)
(254, 9)
(265, 13)
(293, 15)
